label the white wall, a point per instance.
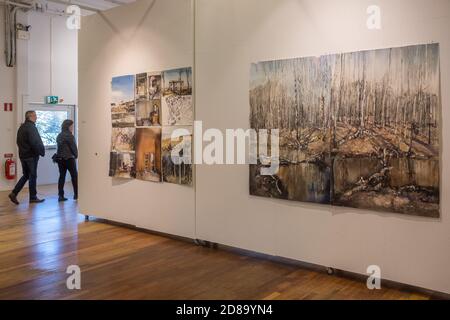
(231, 34)
(7, 94)
(128, 40)
(47, 64)
(52, 70)
(53, 59)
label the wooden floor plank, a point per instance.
(38, 242)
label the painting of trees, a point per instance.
(357, 129)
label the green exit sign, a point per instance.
(51, 99)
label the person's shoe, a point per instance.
(37, 200)
(13, 198)
(62, 199)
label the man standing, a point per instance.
(30, 148)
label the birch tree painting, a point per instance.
(356, 129)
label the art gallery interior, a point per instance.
(353, 99)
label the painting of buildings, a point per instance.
(177, 107)
(122, 101)
(122, 165)
(154, 86)
(176, 149)
(148, 113)
(123, 139)
(148, 154)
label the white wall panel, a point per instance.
(231, 34)
(53, 59)
(64, 61)
(39, 57)
(135, 38)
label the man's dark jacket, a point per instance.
(67, 147)
(29, 141)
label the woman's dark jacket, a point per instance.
(67, 148)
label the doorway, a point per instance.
(49, 120)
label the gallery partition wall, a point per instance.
(359, 108)
(117, 47)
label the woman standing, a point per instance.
(66, 157)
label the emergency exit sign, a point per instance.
(51, 99)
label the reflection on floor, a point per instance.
(38, 242)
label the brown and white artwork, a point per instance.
(148, 99)
(177, 106)
(176, 149)
(137, 119)
(148, 113)
(122, 165)
(148, 154)
(357, 129)
(122, 101)
(123, 139)
(154, 86)
(141, 86)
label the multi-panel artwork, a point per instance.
(138, 106)
(356, 129)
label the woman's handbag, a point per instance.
(56, 158)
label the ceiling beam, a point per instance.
(17, 4)
(82, 6)
(119, 2)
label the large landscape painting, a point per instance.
(357, 129)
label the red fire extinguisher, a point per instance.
(10, 169)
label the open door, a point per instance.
(49, 120)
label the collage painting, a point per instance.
(146, 109)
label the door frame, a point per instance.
(72, 114)
(55, 107)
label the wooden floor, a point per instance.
(38, 242)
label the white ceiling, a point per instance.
(87, 6)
